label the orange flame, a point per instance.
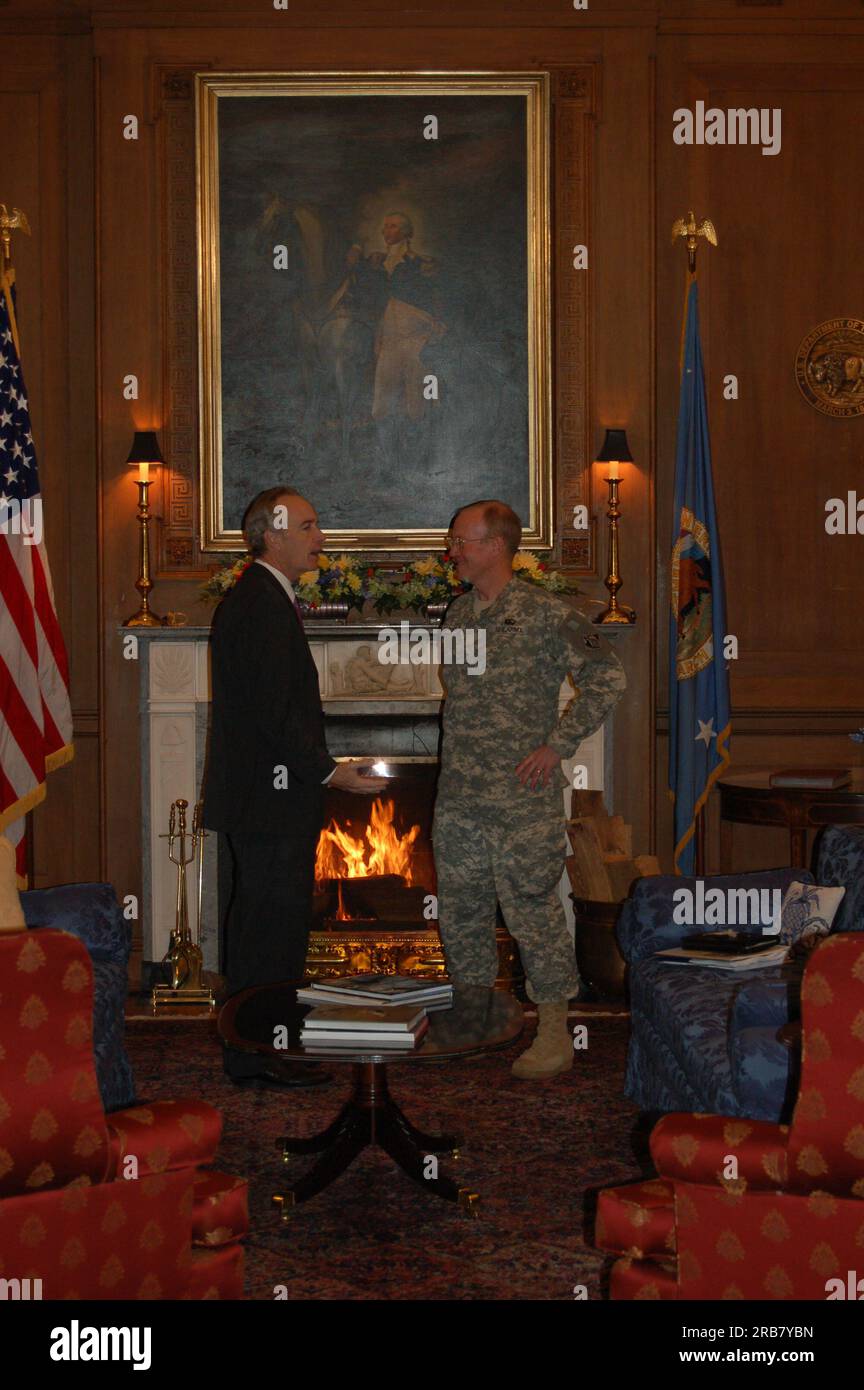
(382, 851)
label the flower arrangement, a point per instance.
(221, 581)
(528, 566)
(417, 585)
(336, 580)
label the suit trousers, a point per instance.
(269, 916)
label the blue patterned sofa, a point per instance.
(91, 912)
(705, 1041)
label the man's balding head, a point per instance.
(498, 521)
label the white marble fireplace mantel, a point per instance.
(174, 695)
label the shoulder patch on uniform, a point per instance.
(577, 630)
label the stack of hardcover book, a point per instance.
(351, 1029)
(375, 1013)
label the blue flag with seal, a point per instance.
(699, 714)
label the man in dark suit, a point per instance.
(268, 763)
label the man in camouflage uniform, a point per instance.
(499, 816)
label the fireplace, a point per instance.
(374, 862)
(375, 905)
(384, 930)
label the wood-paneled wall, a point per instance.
(784, 264)
(100, 298)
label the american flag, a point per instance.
(35, 714)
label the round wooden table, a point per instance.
(749, 798)
(479, 1020)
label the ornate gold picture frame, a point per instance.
(374, 300)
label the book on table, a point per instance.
(814, 778)
(729, 942)
(383, 986)
(372, 1038)
(380, 990)
(401, 1019)
(318, 998)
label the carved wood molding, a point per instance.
(578, 85)
(575, 106)
(174, 107)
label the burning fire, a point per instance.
(382, 851)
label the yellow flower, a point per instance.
(353, 582)
(309, 577)
(323, 562)
(521, 561)
(428, 566)
(345, 562)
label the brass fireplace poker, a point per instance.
(184, 960)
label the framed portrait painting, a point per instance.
(374, 300)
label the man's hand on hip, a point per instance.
(538, 767)
(349, 778)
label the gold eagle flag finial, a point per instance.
(14, 221)
(687, 228)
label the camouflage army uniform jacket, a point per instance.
(493, 720)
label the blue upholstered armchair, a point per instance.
(91, 912)
(707, 1041)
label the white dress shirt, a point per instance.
(283, 579)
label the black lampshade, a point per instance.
(615, 448)
(145, 448)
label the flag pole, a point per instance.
(700, 842)
(690, 231)
(14, 221)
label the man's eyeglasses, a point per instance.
(457, 543)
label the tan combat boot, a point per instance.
(552, 1050)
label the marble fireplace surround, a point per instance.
(369, 708)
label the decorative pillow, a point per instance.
(11, 913)
(807, 910)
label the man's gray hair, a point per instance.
(259, 517)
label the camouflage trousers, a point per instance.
(513, 856)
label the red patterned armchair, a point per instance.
(100, 1207)
(746, 1209)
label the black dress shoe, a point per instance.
(289, 1076)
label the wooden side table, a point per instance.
(748, 798)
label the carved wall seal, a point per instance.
(829, 367)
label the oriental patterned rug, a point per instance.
(537, 1153)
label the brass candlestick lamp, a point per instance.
(144, 455)
(615, 451)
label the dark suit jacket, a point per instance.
(265, 713)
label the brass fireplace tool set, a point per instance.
(184, 960)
